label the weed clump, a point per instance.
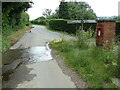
(96, 65)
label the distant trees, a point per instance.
(71, 10)
(54, 15)
(47, 12)
(76, 10)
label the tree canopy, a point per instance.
(14, 14)
(76, 10)
(47, 12)
(73, 11)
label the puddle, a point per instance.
(13, 58)
(32, 54)
(37, 54)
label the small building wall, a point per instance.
(108, 30)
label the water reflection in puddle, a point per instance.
(32, 54)
(36, 54)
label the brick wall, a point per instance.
(109, 30)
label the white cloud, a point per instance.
(100, 7)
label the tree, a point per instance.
(54, 15)
(80, 10)
(63, 10)
(47, 12)
(12, 13)
(75, 10)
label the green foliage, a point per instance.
(53, 16)
(80, 10)
(5, 44)
(9, 37)
(58, 24)
(63, 10)
(14, 18)
(75, 11)
(15, 24)
(61, 25)
(82, 37)
(118, 19)
(14, 15)
(72, 28)
(118, 29)
(47, 12)
(94, 64)
(40, 21)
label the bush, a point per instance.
(58, 24)
(14, 23)
(61, 25)
(118, 29)
(81, 38)
(72, 28)
(40, 22)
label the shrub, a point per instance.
(118, 29)
(61, 25)
(82, 37)
(58, 24)
(96, 65)
(72, 28)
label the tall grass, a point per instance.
(96, 65)
(11, 36)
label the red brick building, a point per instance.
(105, 32)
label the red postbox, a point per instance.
(105, 32)
(99, 34)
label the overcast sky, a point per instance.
(100, 7)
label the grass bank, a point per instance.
(96, 65)
(10, 37)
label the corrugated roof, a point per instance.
(79, 21)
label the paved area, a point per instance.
(37, 71)
(38, 37)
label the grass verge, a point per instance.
(10, 37)
(96, 65)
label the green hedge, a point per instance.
(72, 28)
(61, 25)
(58, 24)
(40, 22)
(118, 28)
(14, 23)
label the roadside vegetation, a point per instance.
(96, 65)
(70, 10)
(12, 37)
(15, 22)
